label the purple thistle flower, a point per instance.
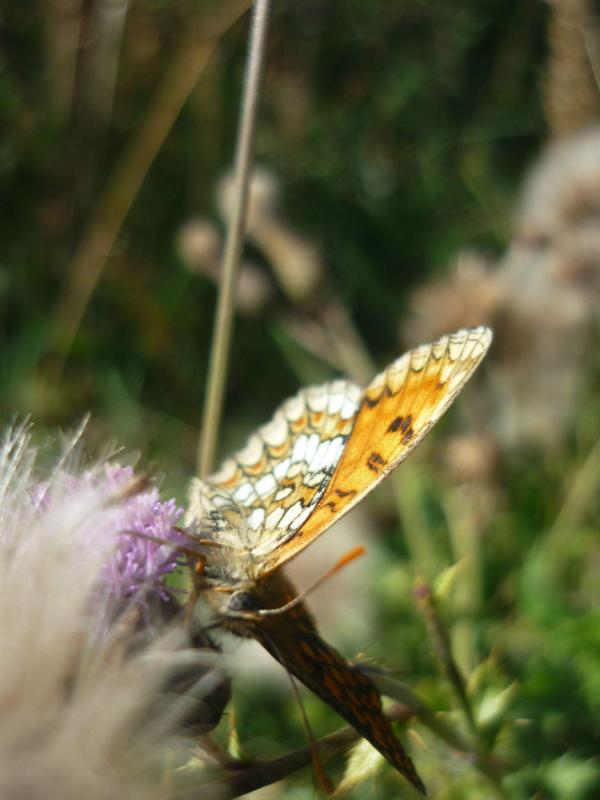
(136, 565)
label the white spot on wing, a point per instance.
(335, 402)
(290, 515)
(280, 469)
(274, 517)
(348, 409)
(275, 432)
(256, 518)
(396, 374)
(311, 446)
(301, 518)
(294, 407)
(314, 479)
(226, 472)
(299, 451)
(265, 485)
(317, 462)
(316, 397)
(253, 451)
(334, 451)
(455, 346)
(243, 492)
(419, 357)
(283, 493)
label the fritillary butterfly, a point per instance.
(323, 451)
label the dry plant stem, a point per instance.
(571, 96)
(219, 355)
(125, 182)
(108, 22)
(243, 777)
(441, 643)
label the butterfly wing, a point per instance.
(396, 411)
(267, 490)
(326, 448)
(293, 640)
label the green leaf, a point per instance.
(570, 778)
(363, 762)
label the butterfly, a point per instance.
(322, 452)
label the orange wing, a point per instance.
(396, 411)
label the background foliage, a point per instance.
(399, 134)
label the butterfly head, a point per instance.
(236, 608)
(242, 601)
(246, 606)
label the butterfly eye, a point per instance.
(242, 601)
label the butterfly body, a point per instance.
(292, 638)
(321, 453)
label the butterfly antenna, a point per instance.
(322, 777)
(346, 559)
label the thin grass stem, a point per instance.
(440, 639)
(219, 356)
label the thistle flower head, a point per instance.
(88, 708)
(136, 530)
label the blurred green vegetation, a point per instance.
(406, 124)
(399, 133)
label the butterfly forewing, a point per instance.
(396, 410)
(327, 447)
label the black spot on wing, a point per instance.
(402, 425)
(375, 461)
